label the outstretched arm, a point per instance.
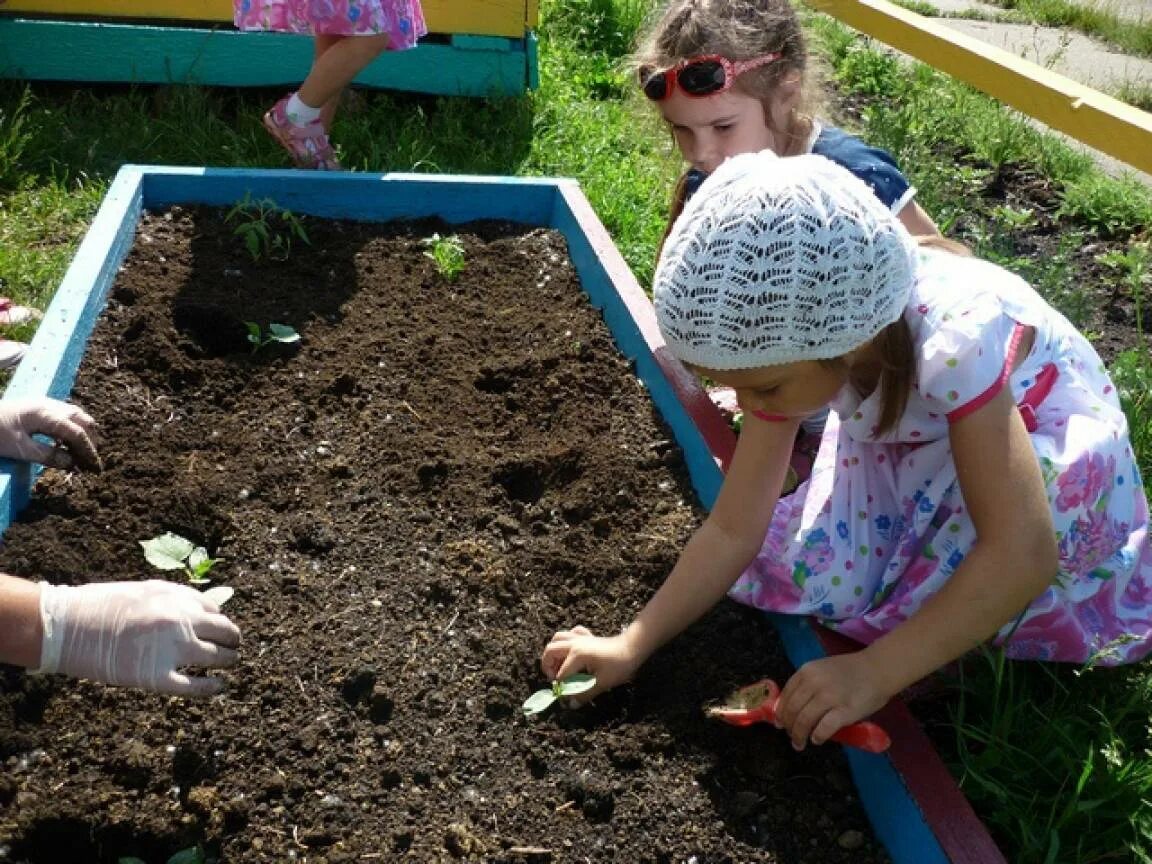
(1012, 563)
(711, 562)
(133, 634)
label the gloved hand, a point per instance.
(71, 427)
(135, 634)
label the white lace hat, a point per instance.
(779, 260)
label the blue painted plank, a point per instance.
(57, 50)
(55, 353)
(354, 195)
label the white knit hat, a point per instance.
(779, 260)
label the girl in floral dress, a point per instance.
(975, 480)
(349, 34)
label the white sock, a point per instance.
(298, 113)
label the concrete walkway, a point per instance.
(1066, 52)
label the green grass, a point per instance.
(1056, 759)
(1097, 20)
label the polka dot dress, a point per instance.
(881, 525)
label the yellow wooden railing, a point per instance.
(1087, 115)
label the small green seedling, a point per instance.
(172, 552)
(447, 252)
(541, 700)
(276, 333)
(266, 229)
(192, 855)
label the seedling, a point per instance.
(193, 855)
(542, 700)
(172, 552)
(447, 252)
(266, 229)
(276, 333)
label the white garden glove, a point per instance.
(135, 634)
(68, 425)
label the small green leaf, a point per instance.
(252, 241)
(195, 855)
(130, 860)
(168, 551)
(283, 333)
(581, 682)
(538, 701)
(253, 332)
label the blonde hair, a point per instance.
(736, 29)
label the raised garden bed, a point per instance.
(408, 502)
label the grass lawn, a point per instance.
(1055, 759)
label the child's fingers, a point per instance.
(807, 719)
(831, 723)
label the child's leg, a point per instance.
(320, 46)
(338, 59)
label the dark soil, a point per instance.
(408, 503)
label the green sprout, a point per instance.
(542, 700)
(447, 252)
(266, 229)
(276, 333)
(193, 855)
(172, 552)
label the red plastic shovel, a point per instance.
(756, 703)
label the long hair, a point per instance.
(897, 355)
(738, 30)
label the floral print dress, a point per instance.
(880, 525)
(402, 20)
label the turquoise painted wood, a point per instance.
(58, 50)
(57, 349)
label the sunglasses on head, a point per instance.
(698, 76)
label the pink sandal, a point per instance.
(11, 313)
(308, 145)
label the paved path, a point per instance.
(1066, 52)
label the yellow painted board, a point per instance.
(477, 17)
(1099, 121)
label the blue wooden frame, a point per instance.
(67, 50)
(56, 351)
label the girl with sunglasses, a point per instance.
(975, 482)
(348, 35)
(728, 78)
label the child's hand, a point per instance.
(610, 658)
(827, 694)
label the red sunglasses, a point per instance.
(699, 76)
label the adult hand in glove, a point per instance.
(135, 634)
(68, 425)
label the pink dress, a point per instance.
(401, 20)
(881, 524)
